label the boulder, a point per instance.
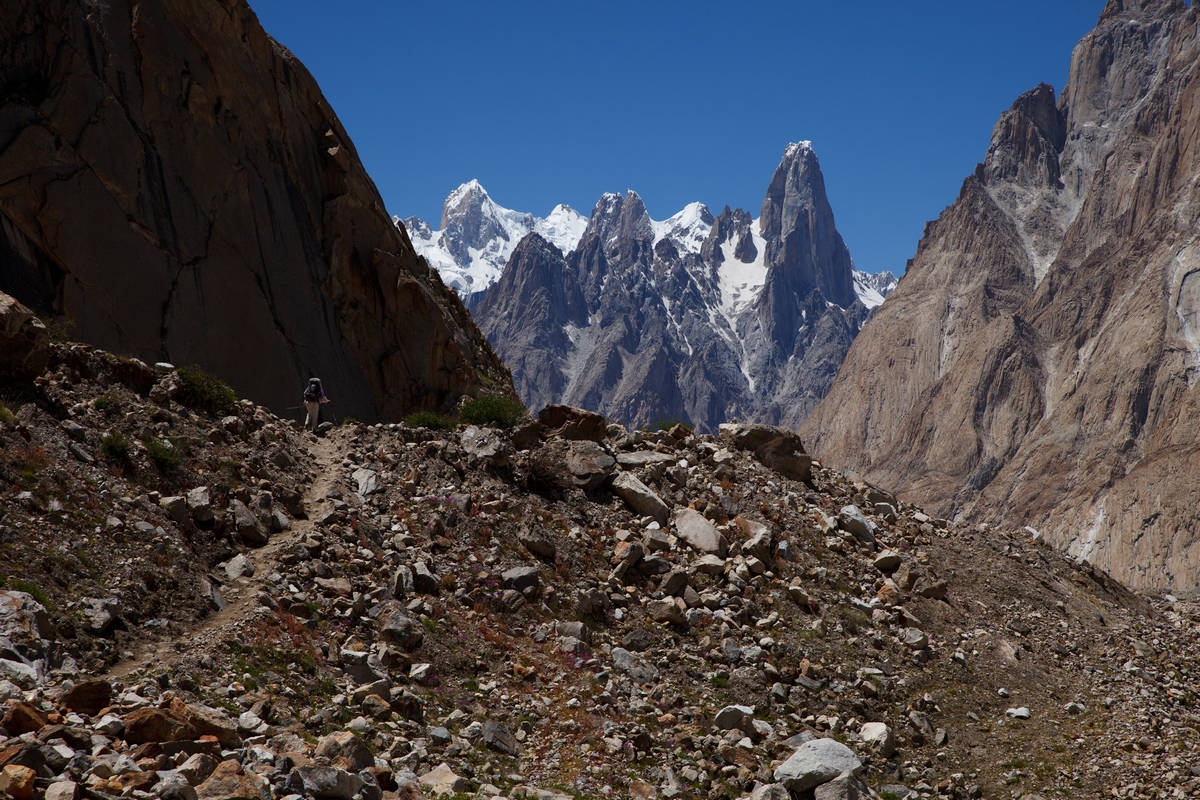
(693, 528)
(249, 530)
(345, 744)
(775, 448)
(851, 519)
(441, 780)
(878, 736)
(814, 763)
(846, 786)
(567, 422)
(24, 621)
(486, 446)
(24, 342)
(590, 464)
(640, 670)
(499, 738)
(639, 497)
(323, 781)
(88, 697)
(229, 781)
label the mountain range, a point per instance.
(696, 317)
(1039, 360)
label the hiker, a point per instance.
(314, 395)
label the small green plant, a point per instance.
(428, 419)
(493, 409)
(204, 392)
(33, 590)
(6, 416)
(163, 453)
(103, 403)
(114, 447)
(719, 681)
(667, 424)
(61, 329)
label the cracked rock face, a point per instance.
(1039, 358)
(175, 184)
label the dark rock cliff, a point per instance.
(173, 182)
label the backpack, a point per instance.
(313, 392)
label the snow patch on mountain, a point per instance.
(738, 281)
(872, 288)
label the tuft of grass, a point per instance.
(204, 392)
(428, 419)
(667, 424)
(6, 417)
(31, 589)
(163, 453)
(493, 409)
(115, 448)
(103, 403)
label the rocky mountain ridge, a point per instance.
(176, 187)
(564, 609)
(697, 317)
(1037, 361)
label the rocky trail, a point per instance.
(241, 595)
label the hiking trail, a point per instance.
(241, 595)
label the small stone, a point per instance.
(878, 736)
(498, 738)
(63, 790)
(914, 638)
(697, 532)
(1018, 713)
(636, 668)
(887, 561)
(520, 578)
(441, 780)
(17, 781)
(851, 519)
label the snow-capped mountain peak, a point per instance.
(477, 236)
(873, 288)
(689, 227)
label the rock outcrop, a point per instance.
(174, 184)
(1038, 359)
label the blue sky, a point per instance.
(559, 102)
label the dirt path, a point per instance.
(241, 595)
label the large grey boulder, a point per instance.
(814, 763)
(639, 497)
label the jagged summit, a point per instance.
(478, 235)
(696, 317)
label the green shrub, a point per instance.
(115, 447)
(6, 416)
(163, 453)
(203, 392)
(667, 424)
(103, 403)
(33, 590)
(428, 419)
(493, 409)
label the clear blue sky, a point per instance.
(559, 102)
